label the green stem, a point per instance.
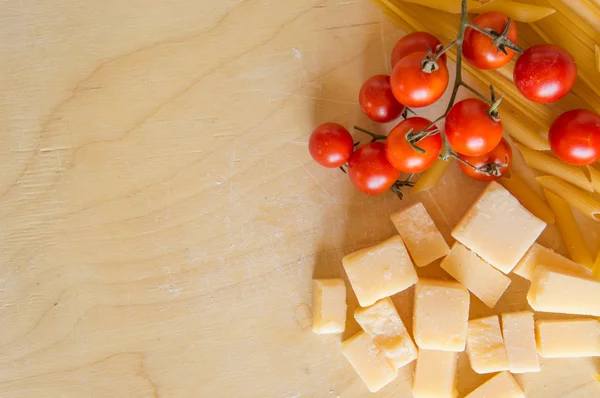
(373, 135)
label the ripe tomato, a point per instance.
(415, 88)
(402, 156)
(414, 42)
(479, 50)
(575, 137)
(370, 171)
(470, 129)
(502, 154)
(330, 145)
(377, 100)
(545, 73)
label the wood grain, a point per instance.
(160, 217)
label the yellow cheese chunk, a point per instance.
(368, 361)
(385, 327)
(329, 306)
(440, 316)
(485, 346)
(518, 330)
(483, 280)
(540, 255)
(422, 238)
(498, 228)
(380, 271)
(435, 374)
(554, 291)
(503, 385)
(571, 338)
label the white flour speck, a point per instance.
(297, 53)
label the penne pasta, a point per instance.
(524, 194)
(575, 197)
(451, 6)
(551, 165)
(595, 177)
(516, 10)
(597, 49)
(596, 271)
(567, 226)
(430, 177)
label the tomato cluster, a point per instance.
(473, 130)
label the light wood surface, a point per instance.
(160, 216)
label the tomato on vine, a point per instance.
(377, 100)
(330, 145)
(495, 163)
(575, 137)
(471, 129)
(545, 73)
(403, 156)
(370, 171)
(415, 42)
(414, 87)
(480, 50)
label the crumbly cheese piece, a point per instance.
(503, 385)
(485, 346)
(368, 361)
(498, 228)
(518, 330)
(554, 291)
(440, 316)
(423, 240)
(540, 255)
(380, 271)
(483, 280)
(570, 338)
(435, 374)
(385, 327)
(329, 306)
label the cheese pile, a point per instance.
(495, 237)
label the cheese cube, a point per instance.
(483, 280)
(380, 271)
(572, 338)
(485, 346)
(498, 228)
(518, 330)
(385, 327)
(540, 255)
(368, 361)
(441, 311)
(554, 291)
(435, 374)
(422, 238)
(329, 306)
(503, 385)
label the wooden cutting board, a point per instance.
(160, 217)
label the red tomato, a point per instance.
(502, 154)
(370, 171)
(415, 88)
(545, 73)
(402, 156)
(575, 137)
(470, 129)
(377, 100)
(479, 50)
(330, 145)
(412, 43)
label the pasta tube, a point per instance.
(575, 197)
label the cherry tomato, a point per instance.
(415, 88)
(575, 137)
(402, 156)
(470, 129)
(377, 100)
(370, 171)
(330, 145)
(479, 50)
(414, 42)
(502, 154)
(545, 73)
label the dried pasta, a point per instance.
(575, 197)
